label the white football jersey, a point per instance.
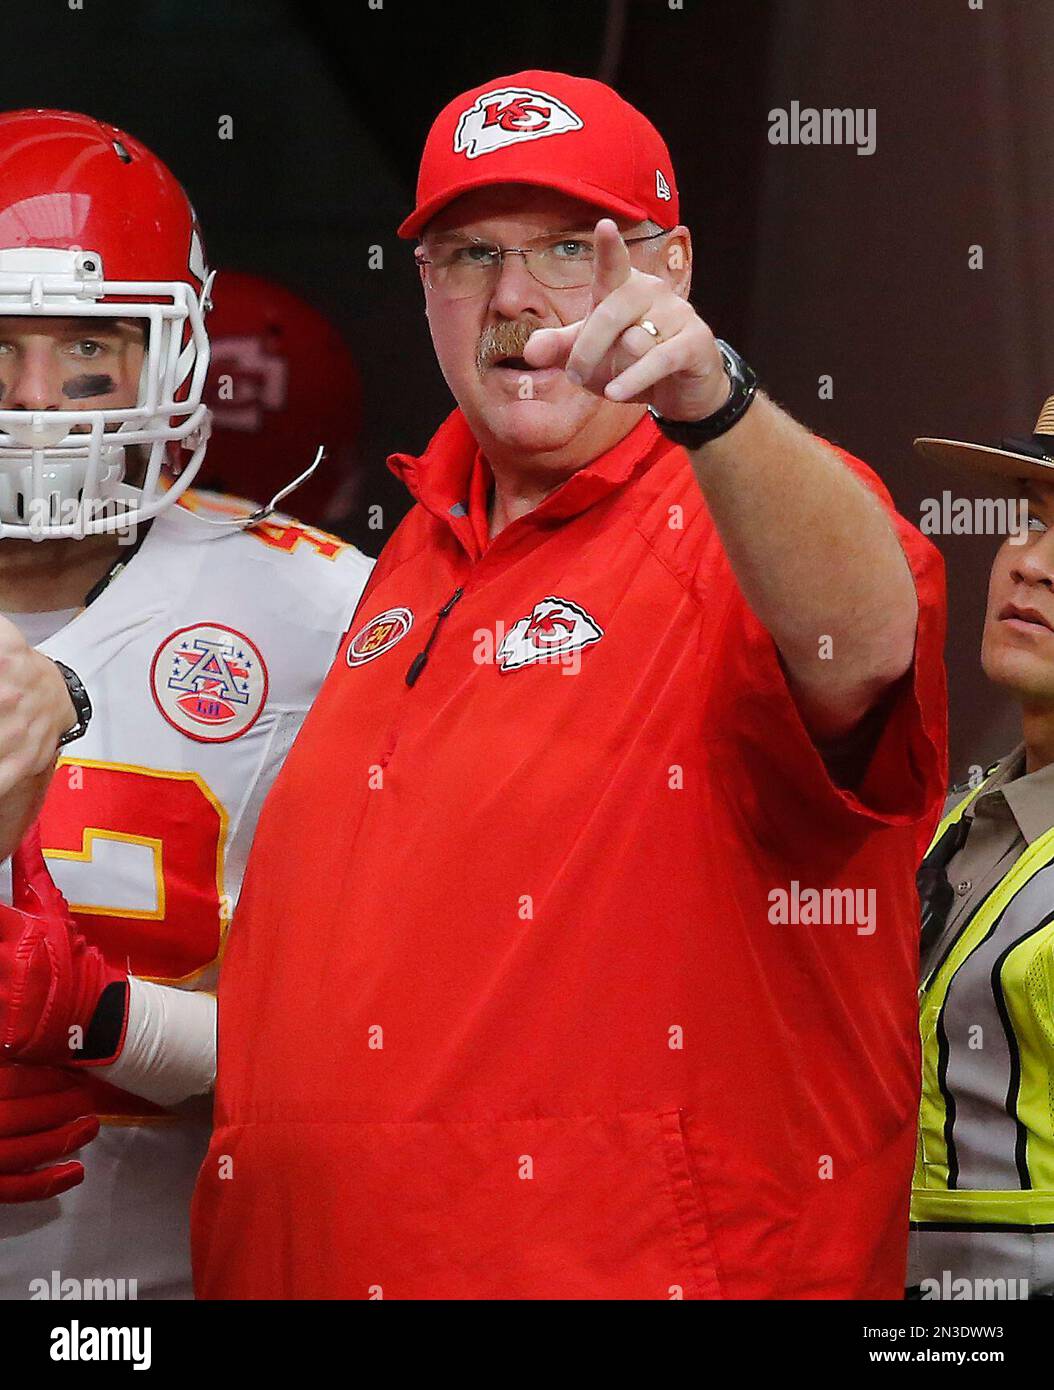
(201, 658)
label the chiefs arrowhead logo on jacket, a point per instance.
(508, 114)
(552, 629)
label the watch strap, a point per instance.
(693, 434)
(81, 704)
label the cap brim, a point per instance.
(574, 188)
(984, 458)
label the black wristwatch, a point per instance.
(693, 434)
(81, 704)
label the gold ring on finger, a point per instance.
(649, 327)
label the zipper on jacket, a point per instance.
(420, 660)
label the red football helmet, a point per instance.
(93, 225)
(282, 381)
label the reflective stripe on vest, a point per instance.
(986, 1120)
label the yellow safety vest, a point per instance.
(986, 1122)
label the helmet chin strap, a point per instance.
(262, 513)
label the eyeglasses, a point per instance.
(471, 267)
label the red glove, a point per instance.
(44, 1115)
(60, 1002)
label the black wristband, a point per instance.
(106, 1028)
(693, 434)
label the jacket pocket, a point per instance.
(547, 1207)
(688, 1200)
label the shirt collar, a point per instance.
(1030, 797)
(450, 479)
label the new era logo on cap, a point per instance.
(662, 188)
(507, 115)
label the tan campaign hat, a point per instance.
(1015, 458)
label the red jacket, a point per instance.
(505, 1011)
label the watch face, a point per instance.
(733, 362)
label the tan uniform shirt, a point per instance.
(1012, 812)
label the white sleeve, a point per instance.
(169, 1052)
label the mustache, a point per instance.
(505, 339)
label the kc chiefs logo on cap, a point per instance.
(552, 629)
(507, 115)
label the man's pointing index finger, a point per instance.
(611, 267)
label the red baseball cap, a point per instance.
(554, 131)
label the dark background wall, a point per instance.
(812, 259)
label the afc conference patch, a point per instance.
(209, 681)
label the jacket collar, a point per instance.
(439, 478)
